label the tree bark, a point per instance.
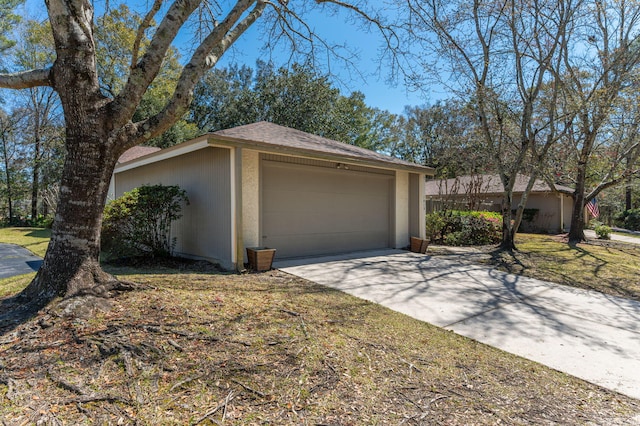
(71, 265)
(576, 232)
(508, 230)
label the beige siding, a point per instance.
(205, 228)
(310, 210)
(548, 216)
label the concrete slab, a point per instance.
(582, 333)
(16, 260)
(630, 237)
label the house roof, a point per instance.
(486, 184)
(137, 152)
(275, 138)
(272, 138)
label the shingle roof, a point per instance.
(136, 152)
(279, 138)
(486, 184)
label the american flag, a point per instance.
(592, 206)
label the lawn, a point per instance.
(204, 347)
(34, 239)
(605, 266)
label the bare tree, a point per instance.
(601, 70)
(99, 128)
(12, 155)
(505, 56)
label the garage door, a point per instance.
(309, 210)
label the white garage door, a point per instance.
(308, 210)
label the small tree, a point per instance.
(139, 222)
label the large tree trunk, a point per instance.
(508, 230)
(71, 265)
(576, 232)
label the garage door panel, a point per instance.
(312, 210)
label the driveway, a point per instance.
(582, 333)
(16, 260)
(630, 237)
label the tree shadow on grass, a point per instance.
(40, 233)
(14, 311)
(507, 260)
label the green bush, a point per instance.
(628, 219)
(139, 222)
(459, 228)
(434, 225)
(603, 232)
(41, 221)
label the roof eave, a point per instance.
(316, 154)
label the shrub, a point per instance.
(629, 219)
(464, 227)
(139, 222)
(603, 232)
(434, 225)
(41, 221)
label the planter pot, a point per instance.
(419, 245)
(260, 258)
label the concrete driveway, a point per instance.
(16, 260)
(582, 333)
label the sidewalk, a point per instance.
(630, 238)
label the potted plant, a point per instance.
(260, 258)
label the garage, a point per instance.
(312, 210)
(265, 185)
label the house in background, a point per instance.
(547, 211)
(267, 185)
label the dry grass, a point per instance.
(274, 349)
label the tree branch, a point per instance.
(26, 79)
(146, 23)
(205, 57)
(142, 74)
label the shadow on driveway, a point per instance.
(16, 260)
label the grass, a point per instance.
(606, 266)
(200, 347)
(34, 239)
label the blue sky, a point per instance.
(367, 74)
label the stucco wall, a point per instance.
(205, 227)
(401, 209)
(250, 198)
